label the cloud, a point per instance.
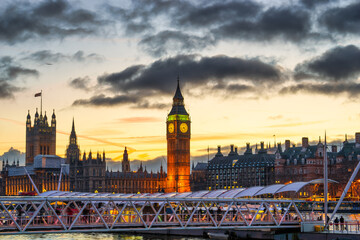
(217, 12)
(49, 57)
(46, 19)
(139, 16)
(102, 100)
(311, 3)
(351, 89)
(139, 120)
(339, 63)
(294, 124)
(342, 19)
(194, 69)
(140, 85)
(167, 41)
(9, 72)
(80, 83)
(13, 155)
(7, 90)
(290, 24)
(276, 117)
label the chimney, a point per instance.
(305, 142)
(231, 148)
(287, 144)
(262, 145)
(357, 137)
(334, 148)
(236, 150)
(247, 146)
(219, 149)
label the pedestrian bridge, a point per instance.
(57, 211)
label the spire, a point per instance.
(178, 94)
(73, 126)
(73, 138)
(178, 102)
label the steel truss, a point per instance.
(77, 214)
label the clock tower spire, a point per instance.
(178, 145)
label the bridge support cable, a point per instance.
(348, 185)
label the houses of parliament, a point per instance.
(86, 172)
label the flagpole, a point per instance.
(41, 103)
(325, 183)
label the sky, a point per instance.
(249, 71)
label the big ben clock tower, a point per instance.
(178, 146)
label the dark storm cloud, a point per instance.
(343, 19)
(166, 41)
(50, 19)
(351, 89)
(195, 70)
(340, 63)
(49, 57)
(80, 83)
(291, 24)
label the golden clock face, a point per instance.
(171, 128)
(183, 127)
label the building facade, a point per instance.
(40, 137)
(241, 171)
(44, 171)
(306, 163)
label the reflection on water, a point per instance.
(91, 236)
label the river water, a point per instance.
(93, 236)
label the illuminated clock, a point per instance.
(171, 128)
(183, 127)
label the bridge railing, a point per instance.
(23, 214)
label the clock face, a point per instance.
(183, 127)
(171, 128)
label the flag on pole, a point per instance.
(38, 94)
